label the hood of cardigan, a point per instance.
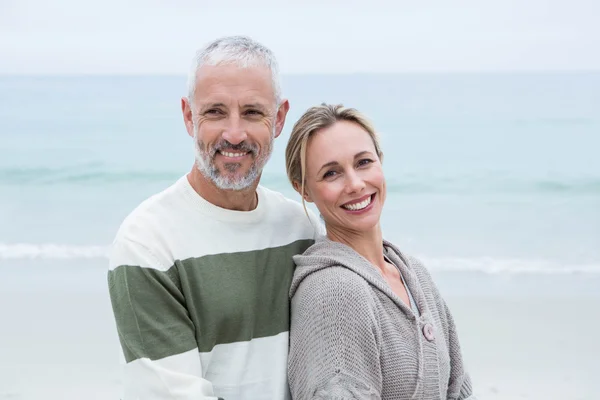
(326, 253)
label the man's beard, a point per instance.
(228, 179)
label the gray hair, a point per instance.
(236, 50)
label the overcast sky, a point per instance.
(160, 36)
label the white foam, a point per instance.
(50, 251)
(487, 265)
(490, 265)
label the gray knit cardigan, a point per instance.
(352, 337)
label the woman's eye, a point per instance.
(329, 174)
(364, 161)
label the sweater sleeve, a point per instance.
(459, 385)
(155, 330)
(334, 351)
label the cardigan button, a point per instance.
(428, 332)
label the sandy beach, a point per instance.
(59, 340)
(530, 349)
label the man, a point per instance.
(200, 273)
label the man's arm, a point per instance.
(155, 330)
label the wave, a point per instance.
(487, 265)
(86, 174)
(50, 251)
(517, 186)
(96, 174)
(507, 266)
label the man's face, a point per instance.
(234, 120)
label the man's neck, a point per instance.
(238, 200)
(367, 244)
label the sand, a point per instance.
(59, 340)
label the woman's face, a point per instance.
(344, 177)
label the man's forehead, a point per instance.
(231, 85)
(257, 78)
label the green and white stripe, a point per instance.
(200, 295)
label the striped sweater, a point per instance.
(200, 295)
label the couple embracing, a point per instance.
(224, 289)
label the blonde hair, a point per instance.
(312, 121)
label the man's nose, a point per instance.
(235, 131)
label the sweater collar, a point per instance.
(328, 253)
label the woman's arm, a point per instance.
(334, 350)
(459, 385)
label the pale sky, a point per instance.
(308, 36)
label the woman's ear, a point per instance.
(305, 195)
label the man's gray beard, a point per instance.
(206, 166)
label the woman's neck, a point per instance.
(367, 244)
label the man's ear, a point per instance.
(186, 111)
(282, 111)
(305, 195)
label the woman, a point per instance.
(367, 320)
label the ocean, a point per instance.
(497, 173)
(493, 181)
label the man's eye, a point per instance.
(214, 111)
(253, 112)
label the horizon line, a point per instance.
(358, 73)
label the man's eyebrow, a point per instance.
(255, 105)
(205, 107)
